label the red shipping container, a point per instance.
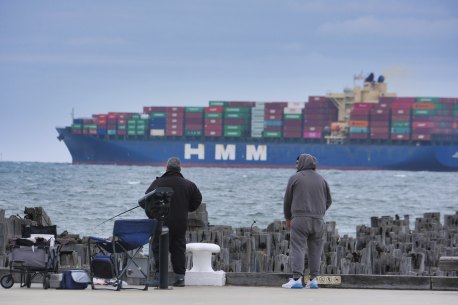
(405, 100)
(423, 124)
(400, 136)
(312, 135)
(174, 126)
(214, 109)
(174, 132)
(359, 111)
(194, 121)
(213, 122)
(380, 135)
(387, 99)
(177, 115)
(121, 132)
(313, 128)
(240, 104)
(379, 124)
(359, 135)
(175, 121)
(320, 99)
(449, 100)
(193, 126)
(149, 109)
(293, 128)
(400, 117)
(213, 133)
(193, 115)
(278, 105)
(292, 134)
(273, 111)
(421, 137)
(362, 106)
(378, 130)
(273, 117)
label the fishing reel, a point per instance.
(157, 203)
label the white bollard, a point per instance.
(202, 273)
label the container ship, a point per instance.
(364, 127)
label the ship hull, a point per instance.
(86, 149)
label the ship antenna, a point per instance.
(73, 114)
(356, 77)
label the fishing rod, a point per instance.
(119, 215)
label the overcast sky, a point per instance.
(98, 56)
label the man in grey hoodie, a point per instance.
(307, 198)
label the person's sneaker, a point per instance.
(293, 284)
(312, 284)
(178, 283)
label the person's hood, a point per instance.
(306, 161)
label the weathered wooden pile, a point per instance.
(386, 247)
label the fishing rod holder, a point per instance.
(157, 206)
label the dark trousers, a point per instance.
(177, 249)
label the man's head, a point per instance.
(306, 161)
(173, 164)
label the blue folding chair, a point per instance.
(110, 259)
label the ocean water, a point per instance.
(78, 198)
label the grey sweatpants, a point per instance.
(306, 231)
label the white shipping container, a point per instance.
(157, 132)
(289, 110)
(144, 116)
(296, 105)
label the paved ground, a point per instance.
(230, 295)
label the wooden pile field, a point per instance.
(387, 247)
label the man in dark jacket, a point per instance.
(186, 198)
(307, 198)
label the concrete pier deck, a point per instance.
(230, 295)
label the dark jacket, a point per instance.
(307, 193)
(186, 198)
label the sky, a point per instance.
(110, 55)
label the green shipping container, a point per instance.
(235, 115)
(359, 129)
(232, 133)
(111, 132)
(401, 124)
(194, 109)
(157, 114)
(400, 130)
(271, 134)
(427, 100)
(131, 132)
(122, 127)
(193, 133)
(216, 103)
(423, 112)
(292, 116)
(76, 126)
(90, 126)
(135, 116)
(131, 123)
(213, 115)
(237, 109)
(233, 128)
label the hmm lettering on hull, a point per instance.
(226, 152)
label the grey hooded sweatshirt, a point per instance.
(307, 193)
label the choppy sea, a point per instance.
(78, 198)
